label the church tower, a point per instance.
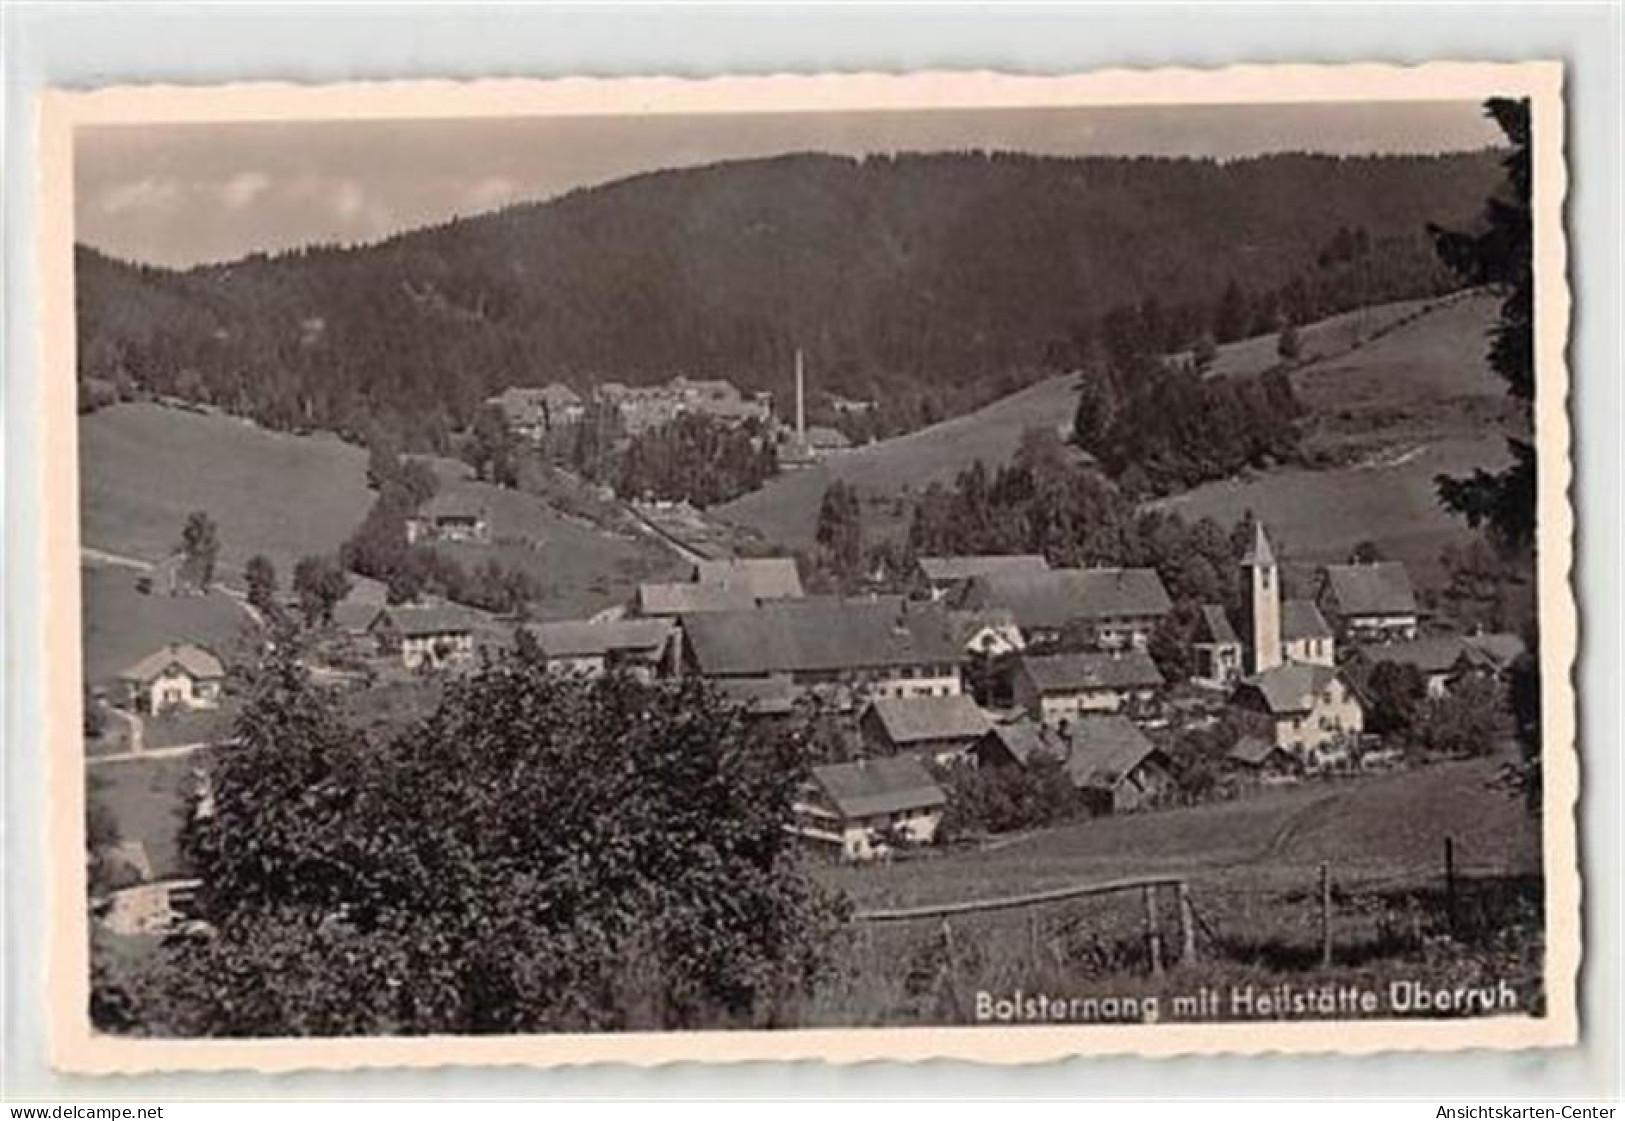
(1262, 601)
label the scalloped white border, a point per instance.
(75, 1047)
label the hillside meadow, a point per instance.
(122, 624)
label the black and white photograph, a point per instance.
(1069, 571)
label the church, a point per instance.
(1281, 662)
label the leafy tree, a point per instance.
(491, 449)
(417, 482)
(1469, 720)
(1395, 695)
(410, 887)
(1500, 255)
(260, 575)
(383, 458)
(320, 583)
(200, 548)
(1523, 700)
(1007, 798)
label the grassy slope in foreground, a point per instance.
(785, 511)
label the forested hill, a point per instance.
(940, 279)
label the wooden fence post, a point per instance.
(1325, 914)
(1187, 926)
(1153, 937)
(1450, 882)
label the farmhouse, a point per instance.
(1109, 760)
(429, 636)
(1370, 602)
(1441, 659)
(180, 675)
(880, 648)
(945, 576)
(445, 518)
(532, 413)
(1056, 688)
(1312, 711)
(867, 807)
(1260, 761)
(1110, 608)
(641, 647)
(761, 578)
(943, 729)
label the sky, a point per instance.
(184, 194)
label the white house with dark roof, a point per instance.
(449, 518)
(943, 729)
(177, 675)
(1056, 688)
(880, 648)
(862, 809)
(1110, 608)
(643, 648)
(1370, 602)
(429, 636)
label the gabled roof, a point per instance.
(669, 599)
(1380, 588)
(1059, 596)
(1290, 688)
(945, 570)
(794, 636)
(1254, 751)
(423, 621)
(575, 639)
(1213, 625)
(967, 624)
(194, 661)
(1069, 673)
(1432, 655)
(878, 786)
(913, 720)
(1300, 619)
(1105, 750)
(761, 577)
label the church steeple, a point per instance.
(1261, 589)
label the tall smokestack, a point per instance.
(801, 400)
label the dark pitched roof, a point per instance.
(1213, 625)
(794, 636)
(877, 786)
(194, 661)
(944, 570)
(1059, 596)
(1105, 750)
(1502, 649)
(1065, 673)
(420, 622)
(1254, 750)
(764, 696)
(1300, 618)
(1381, 588)
(761, 577)
(449, 506)
(966, 623)
(1024, 739)
(689, 598)
(1432, 654)
(577, 639)
(1290, 688)
(911, 720)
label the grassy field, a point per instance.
(121, 625)
(147, 799)
(143, 468)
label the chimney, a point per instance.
(801, 400)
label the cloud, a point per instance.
(241, 190)
(151, 193)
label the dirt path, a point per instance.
(174, 752)
(1294, 824)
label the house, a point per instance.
(1108, 758)
(991, 633)
(642, 647)
(878, 648)
(1305, 635)
(1259, 761)
(532, 413)
(1216, 649)
(1441, 659)
(1312, 711)
(945, 576)
(424, 636)
(1109, 608)
(1370, 602)
(719, 399)
(178, 675)
(761, 578)
(1055, 688)
(942, 729)
(866, 808)
(446, 518)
